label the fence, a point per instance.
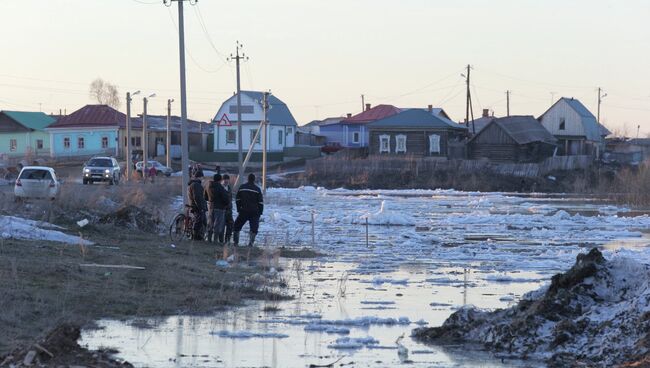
(335, 166)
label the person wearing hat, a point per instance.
(217, 198)
(250, 206)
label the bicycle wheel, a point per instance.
(177, 230)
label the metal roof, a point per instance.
(279, 113)
(593, 130)
(324, 122)
(523, 129)
(372, 114)
(416, 118)
(91, 116)
(30, 120)
(159, 123)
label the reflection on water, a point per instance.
(467, 248)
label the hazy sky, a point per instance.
(319, 56)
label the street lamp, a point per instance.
(128, 133)
(145, 100)
(168, 141)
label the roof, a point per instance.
(640, 141)
(91, 116)
(324, 122)
(523, 129)
(416, 118)
(279, 113)
(159, 123)
(593, 130)
(479, 123)
(30, 120)
(372, 114)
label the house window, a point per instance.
(231, 136)
(384, 143)
(401, 143)
(562, 124)
(434, 143)
(289, 131)
(104, 142)
(136, 141)
(66, 142)
(280, 136)
(39, 144)
(13, 145)
(81, 144)
(245, 109)
(355, 137)
(253, 132)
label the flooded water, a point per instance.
(351, 306)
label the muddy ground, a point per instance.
(50, 290)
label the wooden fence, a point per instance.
(336, 167)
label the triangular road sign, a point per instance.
(224, 121)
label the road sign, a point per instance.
(224, 121)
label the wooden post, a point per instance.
(367, 240)
(313, 232)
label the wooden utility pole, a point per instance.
(168, 140)
(128, 134)
(240, 154)
(265, 123)
(363, 103)
(144, 140)
(508, 103)
(468, 102)
(600, 100)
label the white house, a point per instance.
(575, 127)
(281, 128)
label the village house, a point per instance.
(352, 132)
(417, 132)
(476, 125)
(199, 136)
(512, 139)
(23, 133)
(280, 133)
(91, 130)
(575, 127)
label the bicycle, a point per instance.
(181, 227)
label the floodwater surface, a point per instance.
(426, 254)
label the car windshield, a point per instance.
(35, 174)
(100, 162)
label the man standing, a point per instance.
(198, 207)
(217, 203)
(225, 238)
(250, 206)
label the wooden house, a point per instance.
(512, 139)
(576, 128)
(352, 131)
(417, 132)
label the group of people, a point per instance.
(211, 208)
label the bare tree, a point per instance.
(105, 93)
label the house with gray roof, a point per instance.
(280, 131)
(512, 139)
(417, 132)
(576, 128)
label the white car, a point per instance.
(36, 182)
(160, 168)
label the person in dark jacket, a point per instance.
(225, 237)
(198, 207)
(250, 206)
(217, 198)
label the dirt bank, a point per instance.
(596, 314)
(126, 274)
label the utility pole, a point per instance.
(601, 95)
(128, 134)
(265, 122)
(363, 103)
(237, 58)
(468, 102)
(168, 140)
(145, 160)
(508, 103)
(185, 162)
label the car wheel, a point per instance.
(85, 182)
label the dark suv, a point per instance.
(102, 169)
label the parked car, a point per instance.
(102, 169)
(36, 182)
(331, 147)
(160, 168)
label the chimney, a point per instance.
(486, 113)
(430, 107)
(367, 107)
(349, 115)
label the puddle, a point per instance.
(465, 248)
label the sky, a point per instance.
(320, 56)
